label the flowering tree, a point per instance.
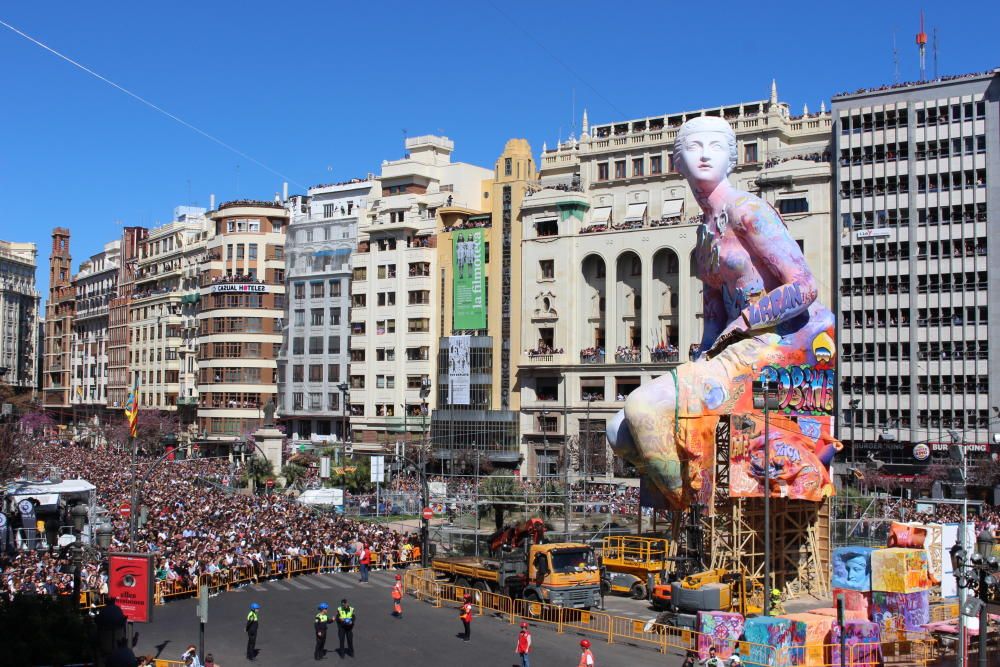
(151, 427)
(35, 421)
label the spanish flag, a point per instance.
(132, 407)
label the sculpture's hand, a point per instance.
(736, 330)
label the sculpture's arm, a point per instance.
(713, 316)
(767, 239)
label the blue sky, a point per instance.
(323, 91)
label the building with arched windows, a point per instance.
(610, 299)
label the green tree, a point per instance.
(551, 498)
(259, 469)
(499, 493)
(293, 473)
(39, 630)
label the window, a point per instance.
(507, 166)
(602, 171)
(419, 297)
(357, 355)
(415, 381)
(333, 344)
(749, 153)
(332, 401)
(298, 345)
(332, 373)
(316, 290)
(252, 251)
(793, 205)
(418, 324)
(329, 210)
(315, 399)
(387, 298)
(300, 290)
(547, 269)
(335, 287)
(315, 345)
(357, 382)
(655, 164)
(359, 300)
(300, 318)
(548, 227)
(335, 316)
(240, 251)
(380, 382)
(297, 373)
(309, 235)
(316, 317)
(360, 273)
(637, 166)
(620, 169)
(297, 400)
(315, 372)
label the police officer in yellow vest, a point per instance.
(345, 627)
(319, 625)
(253, 620)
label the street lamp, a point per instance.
(983, 563)
(762, 399)
(102, 537)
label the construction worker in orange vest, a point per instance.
(586, 657)
(397, 597)
(466, 617)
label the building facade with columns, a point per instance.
(95, 285)
(607, 274)
(163, 325)
(395, 286)
(241, 309)
(312, 368)
(19, 301)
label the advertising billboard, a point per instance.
(469, 279)
(131, 583)
(459, 377)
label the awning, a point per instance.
(635, 212)
(332, 253)
(673, 208)
(591, 382)
(600, 215)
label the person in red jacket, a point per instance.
(397, 597)
(365, 560)
(466, 617)
(524, 645)
(586, 657)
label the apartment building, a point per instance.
(163, 309)
(119, 375)
(395, 286)
(608, 286)
(312, 368)
(917, 204)
(18, 315)
(58, 326)
(94, 286)
(242, 306)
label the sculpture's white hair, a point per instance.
(704, 124)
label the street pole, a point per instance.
(565, 448)
(767, 499)
(425, 530)
(133, 505)
(984, 617)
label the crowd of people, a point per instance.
(873, 518)
(195, 528)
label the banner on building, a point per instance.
(469, 279)
(131, 583)
(377, 469)
(458, 370)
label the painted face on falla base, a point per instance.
(706, 158)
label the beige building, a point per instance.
(608, 287)
(163, 310)
(395, 288)
(95, 285)
(242, 305)
(58, 327)
(18, 314)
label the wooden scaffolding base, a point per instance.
(800, 543)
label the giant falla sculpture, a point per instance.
(762, 321)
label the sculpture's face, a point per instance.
(706, 157)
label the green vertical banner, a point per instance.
(469, 279)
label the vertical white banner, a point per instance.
(378, 469)
(458, 370)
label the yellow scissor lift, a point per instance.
(629, 560)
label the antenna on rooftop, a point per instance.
(895, 59)
(922, 47)
(934, 47)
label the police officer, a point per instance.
(319, 625)
(345, 627)
(252, 620)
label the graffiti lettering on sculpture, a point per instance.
(802, 390)
(771, 308)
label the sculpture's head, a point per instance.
(705, 150)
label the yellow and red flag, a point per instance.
(132, 407)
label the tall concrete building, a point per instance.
(119, 375)
(608, 287)
(395, 320)
(58, 326)
(322, 234)
(476, 413)
(18, 315)
(242, 305)
(163, 324)
(917, 205)
(94, 286)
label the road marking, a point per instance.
(298, 584)
(383, 584)
(277, 584)
(258, 587)
(329, 582)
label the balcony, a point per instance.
(591, 356)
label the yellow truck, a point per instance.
(562, 573)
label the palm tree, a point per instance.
(499, 492)
(259, 469)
